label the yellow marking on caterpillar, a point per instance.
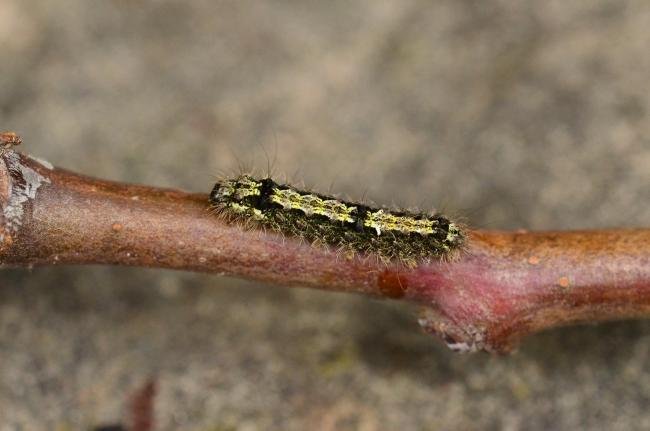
(382, 221)
(246, 186)
(245, 209)
(453, 232)
(312, 204)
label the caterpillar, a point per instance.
(351, 227)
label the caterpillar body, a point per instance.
(352, 227)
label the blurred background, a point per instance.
(510, 113)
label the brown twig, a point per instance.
(507, 284)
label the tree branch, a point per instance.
(505, 286)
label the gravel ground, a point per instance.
(511, 113)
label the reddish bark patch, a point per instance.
(391, 285)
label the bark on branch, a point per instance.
(507, 284)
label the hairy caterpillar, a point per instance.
(352, 227)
